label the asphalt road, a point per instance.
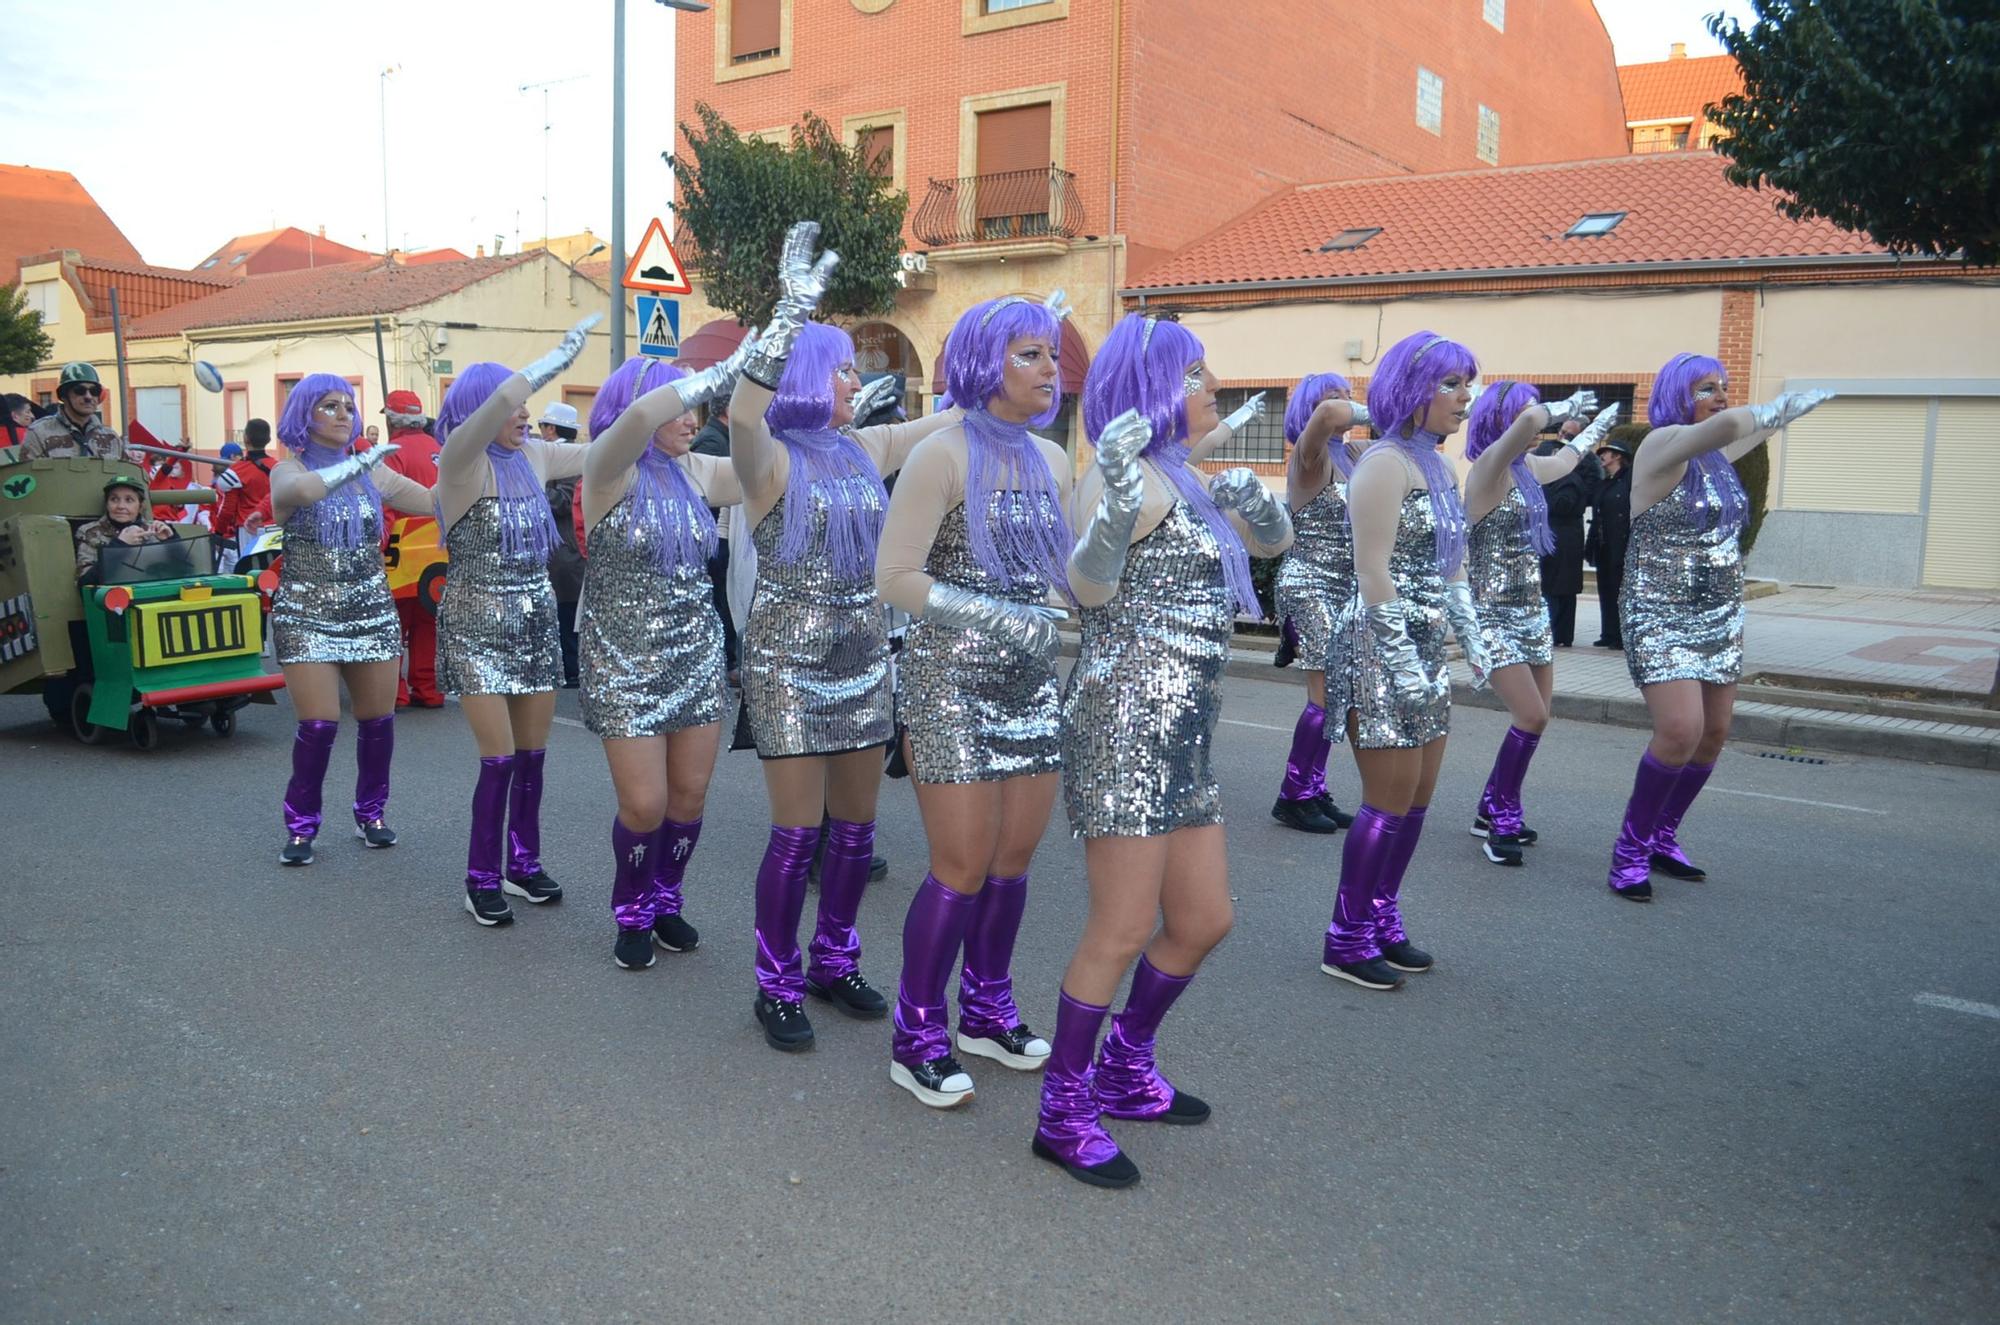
(238, 1092)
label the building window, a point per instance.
(1430, 101)
(1006, 6)
(1262, 439)
(1350, 239)
(1489, 135)
(878, 152)
(1595, 223)
(42, 298)
(752, 38)
(1496, 14)
(1014, 171)
(977, 16)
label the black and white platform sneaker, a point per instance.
(940, 1083)
(537, 888)
(488, 906)
(296, 851)
(1371, 974)
(1018, 1048)
(376, 833)
(634, 949)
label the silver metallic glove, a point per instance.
(1101, 547)
(871, 397)
(1029, 627)
(1058, 304)
(543, 370)
(1592, 436)
(346, 471)
(1578, 405)
(718, 379)
(1243, 492)
(1389, 627)
(1465, 625)
(801, 283)
(1787, 407)
(226, 481)
(1244, 414)
(1362, 418)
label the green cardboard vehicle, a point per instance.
(160, 634)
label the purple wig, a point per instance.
(1672, 402)
(527, 526)
(1144, 366)
(339, 519)
(1403, 386)
(975, 354)
(1306, 397)
(825, 462)
(663, 497)
(1492, 414)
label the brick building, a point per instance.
(1082, 143)
(1667, 101)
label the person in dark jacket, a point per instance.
(566, 573)
(1562, 571)
(1611, 529)
(713, 439)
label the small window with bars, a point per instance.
(1489, 135)
(1430, 100)
(1263, 439)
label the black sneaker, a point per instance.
(537, 888)
(1185, 1111)
(1406, 956)
(940, 1083)
(1326, 807)
(675, 934)
(1503, 848)
(1483, 827)
(878, 868)
(296, 851)
(1018, 1048)
(1639, 893)
(1304, 816)
(376, 833)
(851, 994)
(1687, 872)
(488, 906)
(1118, 1171)
(634, 949)
(785, 1023)
(1371, 974)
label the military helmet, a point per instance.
(76, 374)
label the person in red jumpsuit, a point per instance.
(244, 488)
(415, 459)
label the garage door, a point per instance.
(1881, 437)
(1962, 532)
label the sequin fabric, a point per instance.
(1140, 706)
(1681, 609)
(977, 709)
(1505, 572)
(1357, 681)
(649, 643)
(815, 648)
(1316, 578)
(497, 619)
(333, 604)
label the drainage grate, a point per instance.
(1790, 759)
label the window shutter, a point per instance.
(1010, 141)
(878, 149)
(753, 28)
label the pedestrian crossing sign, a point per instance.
(659, 326)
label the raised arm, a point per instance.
(714, 476)
(1735, 431)
(1311, 465)
(619, 447)
(1486, 485)
(562, 460)
(1262, 519)
(294, 485)
(1112, 493)
(889, 444)
(802, 280)
(1548, 468)
(1239, 419)
(402, 493)
(753, 451)
(932, 483)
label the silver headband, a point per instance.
(1057, 303)
(1429, 345)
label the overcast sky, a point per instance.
(200, 120)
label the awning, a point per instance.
(710, 345)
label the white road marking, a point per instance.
(571, 722)
(1260, 726)
(1797, 800)
(1950, 1004)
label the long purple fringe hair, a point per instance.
(339, 518)
(1306, 397)
(1144, 365)
(1406, 381)
(1672, 403)
(664, 498)
(1002, 458)
(1492, 414)
(527, 527)
(800, 416)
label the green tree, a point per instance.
(738, 197)
(1877, 116)
(24, 346)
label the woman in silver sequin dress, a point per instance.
(498, 646)
(1682, 603)
(1509, 536)
(649, 639)
(815, 650)
(1388, 687)
(975, 543)
(1314, 583)
(1161, 568)
(332, 619)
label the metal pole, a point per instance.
(124, 390)
(382, 99)
(617, 183)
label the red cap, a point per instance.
(404, 402)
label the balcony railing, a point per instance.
(998, 208)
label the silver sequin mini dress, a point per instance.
(497, 619)
(1140, 706)
(333, 604)
(815, 647)
(1681, 609)
(978, 709)
(1358, 681)
(1316, 578)
(1505, 572)
(649, 643)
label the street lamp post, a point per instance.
(382, 96)
(618, 167)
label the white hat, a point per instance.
(561, 415)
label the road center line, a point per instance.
(1260, 726)
(1797, 800)
(1950, 1004)
(571, 722)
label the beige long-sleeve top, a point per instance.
(294, 485)
(609, 471)
(931, 484)
(465, 473)
(1160, 496)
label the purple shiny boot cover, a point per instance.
(489, 821)
(781, 896)
(1388, 915)
(1305, 766)
(1666, 835)
(1363, 858)
(843, 875)
(1069, 1124)
(986, 985)
(524, 815)
(374, 746)
(677, 844)
(1502, 802)
(932, 932)
(1631, 857)
(633, 856)
(312, 747)
(1129, 1084)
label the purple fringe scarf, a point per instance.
(527, 527)
(339, 518)
(1004, 459)
(664, 500)
(837, 465)
(1447, 507)
(1171, 457)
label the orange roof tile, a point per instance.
(1679, 209)
(279, 250)
(355, 289)
(1677, 89)
(48, 209)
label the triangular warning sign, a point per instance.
(655, 266)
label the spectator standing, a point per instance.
(244, 488)
(713, 439)
(416, 459)
(1611, 530)
(559, 423)
(17, 415)
(74, 427)
(1562, 570)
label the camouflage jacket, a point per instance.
(93, 538)
(54, 437)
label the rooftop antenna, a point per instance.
(543, 87)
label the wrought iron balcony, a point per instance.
(994, 209)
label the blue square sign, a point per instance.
(659, 326)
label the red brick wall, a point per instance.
(1738, 336)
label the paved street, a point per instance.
(237, 1092)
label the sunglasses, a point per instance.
(83, 390)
